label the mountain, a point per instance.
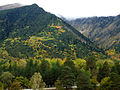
(31, 32)
(104, 31)
(10, 6)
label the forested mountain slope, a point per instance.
(31, 32)
(38, 49)
(105, 31)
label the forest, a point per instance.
(39, 50)
(90, 73)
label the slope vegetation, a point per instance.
(31, 32)
(105, 31)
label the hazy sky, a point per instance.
(74, 8)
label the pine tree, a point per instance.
(116, 68)
(104, 71)
(67, 77)
(115, 81)
(91, 65)
(70, 64)
(83, 81)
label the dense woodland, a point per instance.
(39, 50)
(87, 74)
(40, 34)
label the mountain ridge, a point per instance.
(104, 31)
(32, 32)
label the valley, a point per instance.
(39, 49)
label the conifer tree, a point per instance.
(115, 81)
(67, 77)
(104, 71)
(83, 81)
(91, 65)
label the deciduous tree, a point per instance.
(6, 78)
(36, 81)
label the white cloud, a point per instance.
(75, 8)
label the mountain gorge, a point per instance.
(104, 31)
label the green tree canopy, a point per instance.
(91, 65)
(116, 68)
(115, 84)
(1, 86)
(67, 77)
(23, 80)
(103, 71)
(83, 81)
(58, 85)
(15, 86)
(36, 81)
(105, 83)
(6, 78)
(70, 64)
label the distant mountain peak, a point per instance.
(10, 6)
(35, 4)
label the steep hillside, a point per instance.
(104, 31)
(30, 32)
(10, 6)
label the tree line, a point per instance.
(86, 74)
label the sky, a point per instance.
(74, 8)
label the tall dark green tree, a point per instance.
(67, 77)
(70, 64)
(53, 73)
(115, 78)
(103, 71)
(83, 81)
(45, 66)
(91, 65)
(116, 68)
(29, 70)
